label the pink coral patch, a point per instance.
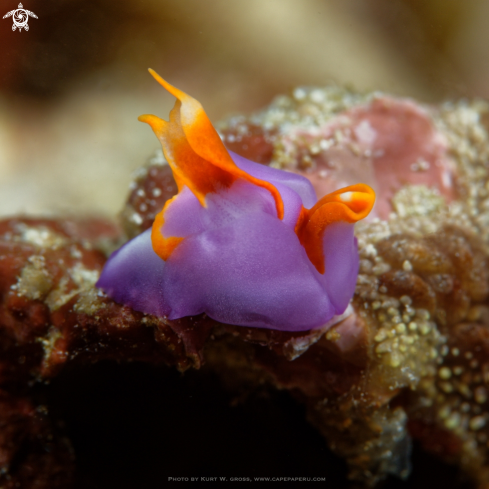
(387, 144)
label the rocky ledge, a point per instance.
(410, 359)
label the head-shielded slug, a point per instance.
(245, 243)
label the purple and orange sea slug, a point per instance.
(244, 243)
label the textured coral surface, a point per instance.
(409, 362)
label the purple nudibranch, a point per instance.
(244, 243)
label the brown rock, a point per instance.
(409, 361)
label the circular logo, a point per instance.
(20, 19)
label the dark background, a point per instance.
(136, 425)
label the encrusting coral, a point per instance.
(410, 361)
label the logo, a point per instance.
(20, 17)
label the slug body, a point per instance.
(247, 244)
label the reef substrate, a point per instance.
(409, 362)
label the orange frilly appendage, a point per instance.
(197, 156)
(163, 246)
(349, 204)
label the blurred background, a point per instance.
(72, 86)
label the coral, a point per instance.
(423, 284)
(409, 362)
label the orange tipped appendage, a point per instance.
(195, 152)
(198, 158)
(349, 204)
(163, 246)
